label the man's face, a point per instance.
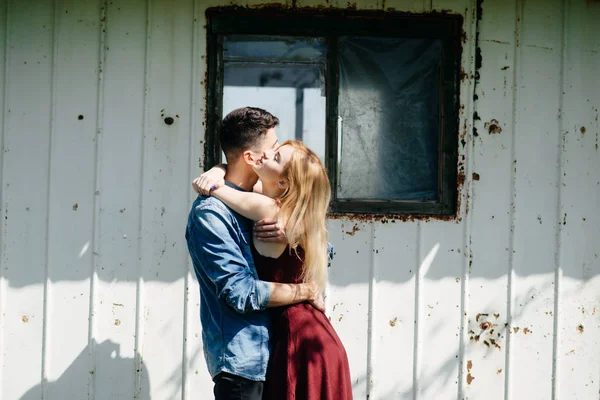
(268, 142)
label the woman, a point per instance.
(308, 360)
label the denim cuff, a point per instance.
(263, 294)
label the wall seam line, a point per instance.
(2, 206)
(139, 326)
(559, 228)
(513, 200)
(47, 285)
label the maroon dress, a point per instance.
(308, 360)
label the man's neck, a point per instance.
(241, 176)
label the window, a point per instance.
(375, 95)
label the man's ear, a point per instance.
(249, 157)
(283, 184)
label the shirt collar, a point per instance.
(231, 185)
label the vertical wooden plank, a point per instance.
(537, 181)
(578, 359)
(165, 172)
(442, 258)
(196, 378)
(444, 254)
(491, 215)
(4, 29)
(393, 320)
(72, 174)
(120, 158)
(348, 294)
(25, 213)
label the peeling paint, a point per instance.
(493, 126)
(353, 231)
(470, 377)
(480, 315)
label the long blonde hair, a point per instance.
(303, 206)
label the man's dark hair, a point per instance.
(242, 128)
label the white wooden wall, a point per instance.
(97, 298)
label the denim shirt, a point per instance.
(235, 329)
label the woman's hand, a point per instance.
(316, 298)
(210, 180)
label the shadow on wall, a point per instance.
(164, 257)
(109, 363)
(395, 261)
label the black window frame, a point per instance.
(331, 25)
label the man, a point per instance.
(232, 298)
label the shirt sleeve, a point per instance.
(218, 255)
(330, 253)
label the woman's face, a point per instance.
(272, 163)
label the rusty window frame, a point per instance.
(330, 25)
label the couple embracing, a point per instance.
(264, 332)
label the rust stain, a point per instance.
(347, 10)
(495, 344)
(496, 315)
(470, 378)
(393, 322)
(75, 207)
(476, 176)
(570, 352)
(539, 47)
(117, 322)
(526, 331)
(485, 325)
(480, 315)
(582, 130)
(25, 319)
(499, 371)
(580, 328)
(461, 178)
(486, 343)
(495, 41)
(393, 218)
(516, 329)
(353, 231)
(493, 126)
